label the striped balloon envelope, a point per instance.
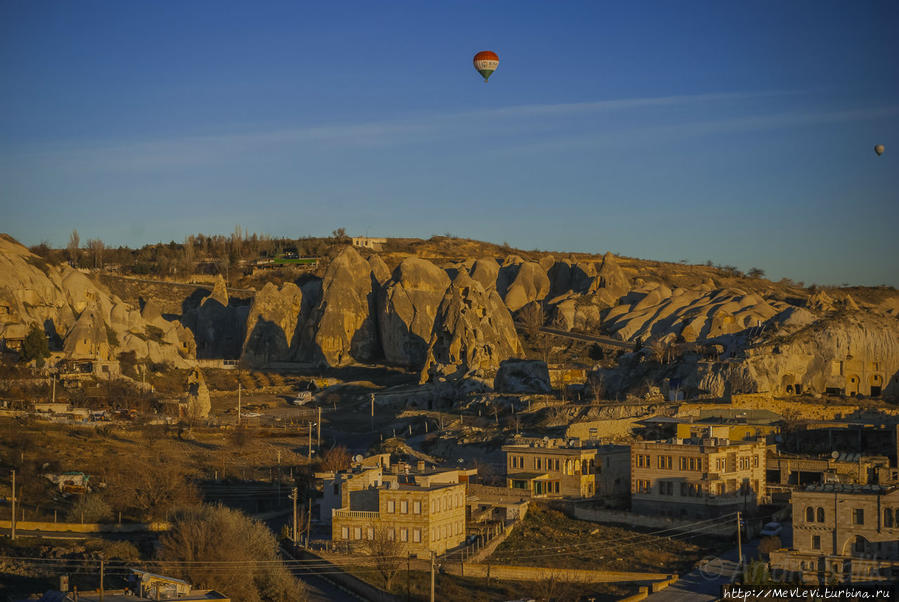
(486, 63)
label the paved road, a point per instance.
(704, 584)
(605, 341)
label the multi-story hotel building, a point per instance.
(842, 533)
(549, 470)
(697, 478)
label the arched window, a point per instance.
(887, 517)
(820, 515)
(809, 515)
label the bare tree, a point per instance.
(187, 255)
(336, 458)
(73, 248)
(95, 249)
(531, 317)
(151, 490)
(386, 552)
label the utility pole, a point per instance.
(372, 398)
(12, 530)
(739, 542)
(310, 441)
(102, 571)
(293, 496)
(432, 575)
(309, 524)
(238, 399)
(318, 434)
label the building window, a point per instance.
(887, 517)
(404, 534)
(357, 532)
(816, 542)
(809, 515)
(416, 535)
(537, 463)
(391, 506)
(344, 532)
(391, 534)
(369, 533)
(416, 507)
(404, 506)
(665, 462)
(820, 514)
(858, 516)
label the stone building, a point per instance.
(368, 242)
(421, 518)
(547, 469)
(842, 533)
(852, 376)
(697, 478)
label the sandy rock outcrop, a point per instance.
(80, 316)
(530, 284)
(379, 270)
(272, 324)
(656, 311)
(218, 326)
(848, 354)
(343, 328)
(407, 308)
(196, 399)
(485, 270)
(473, 332)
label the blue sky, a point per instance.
(737, 132)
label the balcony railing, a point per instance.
(339, 513)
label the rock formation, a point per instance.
(473, 332)
(485, 270)
(530, 284)
(342, 328)
(81, 317)
(407, 308)
(272, 332)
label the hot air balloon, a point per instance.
(486, 63)
(879, 149)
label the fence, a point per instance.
(620, 517)
(505, 572)
(88, 527)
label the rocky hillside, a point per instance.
(447, 308)
(80, 317)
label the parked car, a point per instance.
(771, 530)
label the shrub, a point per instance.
(245, 552)
(90, 508)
